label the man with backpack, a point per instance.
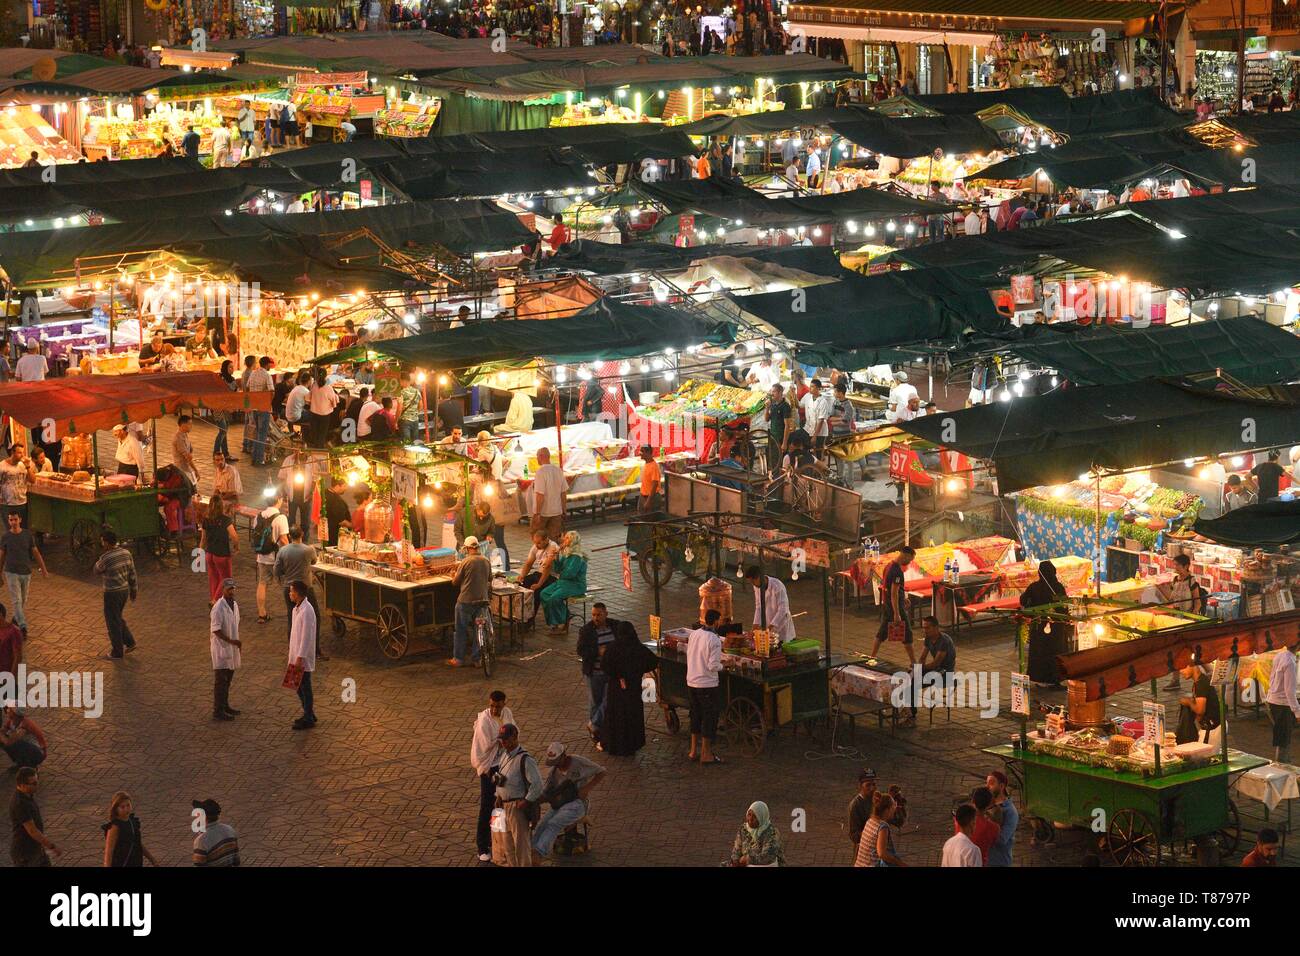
(270, 533)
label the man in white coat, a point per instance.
(302, 650)
(224, 638)
(770, 597)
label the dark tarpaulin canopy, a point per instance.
(1118, 112)
(1248, 350)
(135, 189)
(451, 175)
(1228, 242)
(605, 329)
(883, 311)
(910, 137)
(1267, 523)
(1054, 438)
(1277, 164)
(601, 143)
(1265, 129)
(282, 251)
(1046, 104)
(606, 258)
(727, 200)
(1083, 162)
(772, 121)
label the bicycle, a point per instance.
(485, 633)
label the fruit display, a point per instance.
(720, 403)
(406, 122)
(142, 138)
(1093, 749)
(22, 131)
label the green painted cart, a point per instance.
(754, 702)
(398, 610)
(133, 514)
(1139, 813)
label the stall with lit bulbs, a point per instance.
(384, 574)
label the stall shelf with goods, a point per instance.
(379, 574)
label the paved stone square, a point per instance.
(386, 780)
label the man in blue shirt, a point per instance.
(190, 142)
(1005, 814)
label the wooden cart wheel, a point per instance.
(1042, 830)
(340, 626)
(393, 638)
(1230, 834)
(673, 720)
(656, 569)
(744, 725)
(82, 538)
(1131, 838)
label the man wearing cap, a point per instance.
(860, 806)
(519, 788)
(130, 453)
(217, 843)
(568, 787)
(474, 578)
(225, 646)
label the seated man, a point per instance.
(566, 789)
(535, 574)
(21, 739)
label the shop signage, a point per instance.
(1020, 694)
(655, 623)
(1022, 289)
(366, 188)
(905, 465)
(1153, 722)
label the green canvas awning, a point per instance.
(727, 200)
(906, 138)
(604, 330)
(1054, 438)
(1266, 524)
(890, 310)
(1248, 350)
(606, 258)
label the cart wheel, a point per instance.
(655, 568)
(745, 726)
(1043, 830)
(673, 720)
(340, 626)
(1131, 838)
(393, 638)
(1230, 835)
(82, 538)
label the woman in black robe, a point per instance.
(625, 662)
(1045, 645)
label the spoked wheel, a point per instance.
(655, 568)
(1230, 835)
(340, 626)
(82, 539)
(744, 727)
(487, 646)
(393, 636)
(1131, 839)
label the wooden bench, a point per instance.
(599, 501)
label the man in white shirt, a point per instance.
(910, 410)
(901, 392)
(764, 375)
(363, 417)
(302, 650)
(295, 404)
(130, 453)
(813, 168)
(960, 850)
(771, 601)
(260, 380)
(226, 483)
(484, 755)
(322, 403)
(816, 405)
(549, 491)
(265, 546)
(225, 646)
(703, 662)
(971, 224)
(32, 367)
(519, 417)
(1281, 699)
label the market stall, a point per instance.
(377, 574)
(79, 501)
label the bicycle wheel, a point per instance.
(487, 645)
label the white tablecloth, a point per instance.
(520, 449)
(860, 682)
(1270, 785)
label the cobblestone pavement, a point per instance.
(386, 780)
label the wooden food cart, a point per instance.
(87, 404)
(398, 610)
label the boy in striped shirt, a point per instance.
(217, 843)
